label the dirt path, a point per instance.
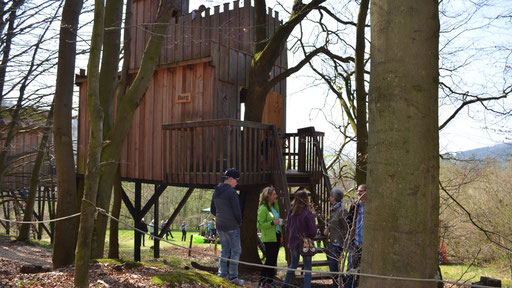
(25, 253)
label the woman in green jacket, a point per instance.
(269, 223)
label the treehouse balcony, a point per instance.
(197, 153)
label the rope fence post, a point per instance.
(190, 245)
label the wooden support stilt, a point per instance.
(137, 218)
(156, 245)
(40, 209)
(50, 195)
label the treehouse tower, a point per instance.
(188, 129)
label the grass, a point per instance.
(469, 274)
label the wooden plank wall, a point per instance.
(189, 39)
(141, 157)
(231, 74)
(22, 154)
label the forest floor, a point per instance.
(16, 256)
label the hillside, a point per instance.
(500, 152)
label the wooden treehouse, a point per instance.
(187, 130)
(21, 154)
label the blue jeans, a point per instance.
(231, 249)
(354, 256)
(294, 261)
(354, 259)
(334, 256)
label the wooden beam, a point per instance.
(154, 199)
(128, 203)
(41, 225)
(176, 211)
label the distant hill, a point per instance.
(500, 152)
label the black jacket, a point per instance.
(225, 207)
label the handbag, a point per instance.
(306, 245)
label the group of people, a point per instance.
(162, 226)
(207, 228)
(344, 230)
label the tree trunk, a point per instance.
(362, 132)
(402, 206)
(113, 241)
(25, 81)
(92, 176)
(113, 249)
(34, 180)
(108, 82)
(126, 109)
(7, 50)
(66, 230)
(248, 235)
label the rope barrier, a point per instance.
(387, 277)
(42, 221)
(290, 269)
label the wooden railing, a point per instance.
(197, 153)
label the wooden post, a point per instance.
(156, 245)
(51, 210)
(5, 206)
(137, 242)
(190, 245)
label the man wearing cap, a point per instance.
(225, 207)
(337, 230)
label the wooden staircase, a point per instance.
(306, 169)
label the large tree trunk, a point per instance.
(34, 180)
(92, 176)
(67, 204)
(402, 206)
(126, 109)
(362, 132)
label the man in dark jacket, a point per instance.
(225, 207)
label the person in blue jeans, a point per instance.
(225, 206)
(300, 223)
(355, 221)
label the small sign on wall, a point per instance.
(184, 98)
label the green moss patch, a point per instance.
(191, 277)
(126, 263)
